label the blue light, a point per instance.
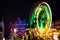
(20, 25)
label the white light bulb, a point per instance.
(15, 30)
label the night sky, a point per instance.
(10, 10)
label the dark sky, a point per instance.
(10, 10)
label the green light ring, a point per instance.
(46, 13)
(34, 13)
(48, 17)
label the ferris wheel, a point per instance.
(40, 17)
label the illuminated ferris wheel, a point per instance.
(41, 17)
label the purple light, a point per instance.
(20, 26)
